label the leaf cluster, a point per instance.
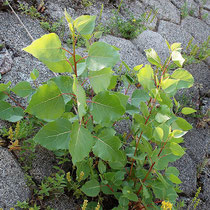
(79, 110)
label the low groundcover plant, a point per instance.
(134, 168)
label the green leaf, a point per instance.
(54, 135)
(123, 98)
(70, 21)
(146, 76)
(17, 115)
(139, 96)
(120, 163)
(172, 170)
(185, 79)
(85, 24)
(85, 166)
(81, 97)
(169, 47)
(144, 109)
(100, 80)
(188, 110)
(126, 66)
(181, 123)
(81, 142)
(123, 201)
(22, 89)
(98, 34)
(137, 68)
(161, 118)
(158, 134)
(101, 167)
(129, 194)
(107, 146)
(131, 109)
(106, 108)
(176, 46)
(47, 103)
(177, 58)
(176, 149)
(4, 87)
(65, 84)
(113, 82)
(34, 74)
(101, 55)
(7, 112)
(174, 179)
(169, 85)
(49, 51)
(91, 188)
(163, 192)
(153, 57)
(146, 192)
(178, 133)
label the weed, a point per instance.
(87, 3)
(186, 10)
(204, 16)
(197, 53)
(58, 27)
(82, 123)
(195, 201)
(128, 29)
(32, 11)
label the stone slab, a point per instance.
(174, 33)
(149, 39)
(196, 27)
(14, 34)
(187, 169)
(62, 203)
(201, 74)
(22, 67)
(196, 141)
(205, 14)
(42, 165)
(166, 10)
(128, 52)
(13, 187)
(5, 61)
(191, 5)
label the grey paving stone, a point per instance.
(166, 10)
(62, 203)
(201, 3)
(187, 169)
(13, 33)
(149, 39)
(13, 187)
(56, 11)
(206, 185)
(5, 61)
(42, 165)
(128, 52)
(134, 7)
(22, 67)
(196, 141)
(174, 33)
(197, 28)
(201, 74)
(191, 6)
(205, 14)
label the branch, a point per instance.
(67, 51)
(81, 59)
